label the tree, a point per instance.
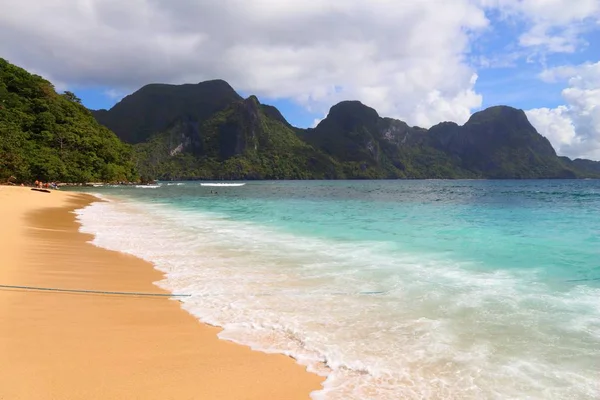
(53, 137)
(71, 97)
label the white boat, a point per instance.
(222, 184)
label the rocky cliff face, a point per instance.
(499, 142)
(155, 107)
(374, 147)
(347, 132)
(353, 132)
(489, 130)
(586, 166)
(246, 140)
(198, 130)
(240, 130)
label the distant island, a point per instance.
(208, 131)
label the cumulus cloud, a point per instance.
(573, 128)
(114, 94)
(406, 59)
(553, 26)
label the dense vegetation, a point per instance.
(207, 131)
(247, 140)
(52, 137)
(239, 142)
(372, 147)
(587, 167)
(499, 142)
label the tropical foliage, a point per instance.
(52, 137)
(239, 142)
(208, 131)
(248, 140)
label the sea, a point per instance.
(429, 289)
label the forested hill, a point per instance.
(52, 137)
(207, 131)
(154, 107)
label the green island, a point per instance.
(208, 131)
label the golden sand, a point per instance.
(86, 346)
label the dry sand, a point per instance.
(86, 346)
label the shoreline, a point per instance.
(81, 345)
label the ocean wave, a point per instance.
(147, 186)
(222, 184)
(378, 323)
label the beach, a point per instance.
(405, 289)
(93, 346)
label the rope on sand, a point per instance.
(94, 291)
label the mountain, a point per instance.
(207, 131)
(499, 142)
(246, 140)
(370, 146)
(52, 137)
(588, 166)
(155, 107)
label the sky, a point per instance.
(422, 61)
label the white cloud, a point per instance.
(114, 94)
(556, 124)
(457, 109)
(554, 26)
(406, 59)
(316, 122)
(573, 128)
(497, 59)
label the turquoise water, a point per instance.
(391, 289)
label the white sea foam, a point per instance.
(378, 324)
(222, 184)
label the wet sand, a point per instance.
(90, 346)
